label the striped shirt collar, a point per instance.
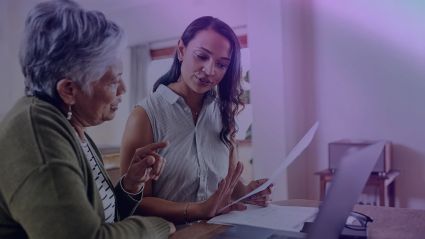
(172, 97)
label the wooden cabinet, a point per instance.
(384, 183)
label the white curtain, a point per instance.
(139, 63)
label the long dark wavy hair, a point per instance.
(229, 89)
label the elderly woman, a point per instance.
(52, 180)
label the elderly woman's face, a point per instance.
(105, 97)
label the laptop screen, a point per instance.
(350, 178)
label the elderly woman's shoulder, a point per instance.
(34, 133)
(32, 116)
(32, 108)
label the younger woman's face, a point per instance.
(204, 60)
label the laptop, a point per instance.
(350, 178)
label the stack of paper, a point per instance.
(288, 218)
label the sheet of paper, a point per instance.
(295, 152)
(288, 218)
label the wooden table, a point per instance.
(389, 223)
(111, 162)
(385, 183)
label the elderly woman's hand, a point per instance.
(145, 165)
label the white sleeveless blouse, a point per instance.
(197, 160)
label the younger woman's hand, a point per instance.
(261, 198)
(217, 203)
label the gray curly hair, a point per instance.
(62, 40)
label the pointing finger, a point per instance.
(151, 148)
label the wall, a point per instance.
(3, 45)
(369, 76)
(283, 95)
(358, 68)
(166, 19)
(11, 78)
(267, 86)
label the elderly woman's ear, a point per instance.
(67, 90)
